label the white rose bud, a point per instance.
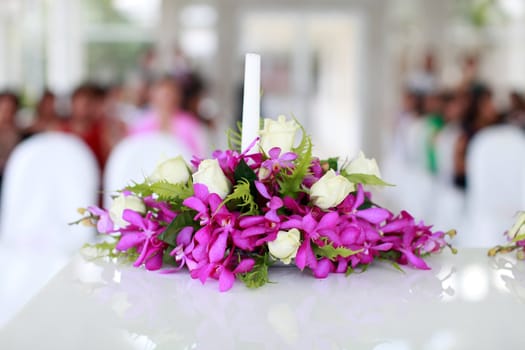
(330, 190)
(211, 175)
(285, 246)
(519, 226)
(279, 133)
(122, 203)
(174, 171)
(363, 165)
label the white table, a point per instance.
(468, 301)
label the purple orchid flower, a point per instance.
(204, 202)
(142, 235)
(313, 231)
(373, 215)
(275, 203)
(164, 212)
(104, 223)
(276, 162)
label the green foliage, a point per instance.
(365, 179)
(397, 267)
(258, 276)
(519, 237)
(242, 198)
(140, 189)
(290, 183)
(244, 172)
(172, 193)
(350, 270)
(328, 251)
(183, 219)
(235, 138)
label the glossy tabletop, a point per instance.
(467, 301)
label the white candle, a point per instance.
(251, 100)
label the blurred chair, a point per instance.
(135, 157)
(496, 173)
(46, 179)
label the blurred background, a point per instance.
(89, 89)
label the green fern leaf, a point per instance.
(242, 198)
(235, 138)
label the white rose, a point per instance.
(330, 190)
(174, 171)
(285, 246)
(211, 175)
(280, 133)
(519, 226)
(363, 165)
(122, 203)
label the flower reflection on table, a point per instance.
(157, 310)
(510, 275)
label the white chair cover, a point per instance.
(136, 157)
(496, 173)
(46, 179)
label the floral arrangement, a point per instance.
(236, 214)
(516, 237)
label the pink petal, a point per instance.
(329, 221)
(272, 216)
(300, 257)
(289, 156)
(244, 266)
(184, 236)
(134, 218)
(360, 197)
(414, 260)
(226, 280)
(373, 215)
(324, 266)
(129, 240)
(201, 191)
(195, 204)
(249, 221)
(292, 223)
(154, 262)
(262, 189)
(309, 223)
(218, 248)
(350, 235)
(274, 152)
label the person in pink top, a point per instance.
(167, 116)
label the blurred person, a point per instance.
(480, 113)
(409, 127)
(166, 115)
(193, 90)
(434, 122)
(9, 137)
(516, 113)
(424, 80)
(453, 111)
(470, 81)
(85, 118)
(109, 116)
(46, 117)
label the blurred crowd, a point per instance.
(103, 115)
(436, 125)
